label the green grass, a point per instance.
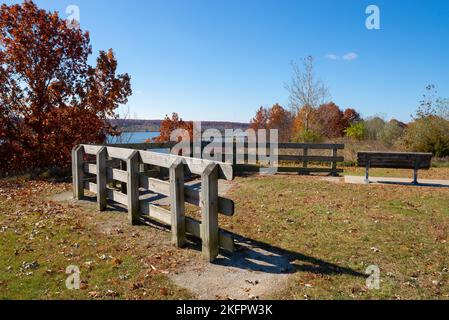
(402, 230)
(440, 164)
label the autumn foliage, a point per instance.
(260, 121)
(275, 117)
(280, 119)
(308, 125)
(51, 99)
(170, 125)
(326, 121)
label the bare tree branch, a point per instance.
(305, 89)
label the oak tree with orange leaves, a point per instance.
(305, 119)
(275, 117)
(51, 99)
(330, 118)
(327, 121)
(260, 121)
(282, 120)
(169, 125)
(350, 116)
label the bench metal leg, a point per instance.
(415, 172)
(367, 172)
(415, 176)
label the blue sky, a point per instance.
(221, 60)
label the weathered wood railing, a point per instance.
(299, 153)
(302, 154)
(105, 171)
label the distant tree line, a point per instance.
(308, 125)
(313, 118)
(427, 132)
(137, 125)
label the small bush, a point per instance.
(308, 136)
(391, 133)
(374, 128)
(428, 134)
(356, 131)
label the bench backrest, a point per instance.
(395, 160)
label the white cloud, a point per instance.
(350, 56)
(332, 56)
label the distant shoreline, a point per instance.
(141, 126)
(140, 131)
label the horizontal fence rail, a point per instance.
(287, 152)
(127, 166)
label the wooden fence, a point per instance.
(300, 155)
(99, 177)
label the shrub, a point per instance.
(308, 136)
(356, 131)
(428, 134)
(374, 128)
(392, 132)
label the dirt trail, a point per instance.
(250, 273)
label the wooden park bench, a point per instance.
(395, 160)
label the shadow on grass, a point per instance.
(262, 257)
(111, 208)
(257, 256)
(253, 255)
(391, 182)
(411, 184)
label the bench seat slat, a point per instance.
(395, 165)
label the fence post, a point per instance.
(305, 162)
(132, 163)
(78, 172)
(209, 212)
(123, 187)
(101, 179)
(192, 153)
(234, 151)
(178, 223)
(334, 162)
